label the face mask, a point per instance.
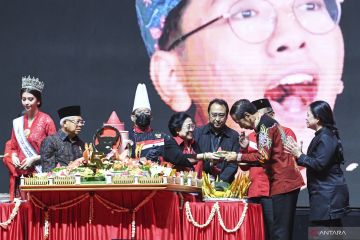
(143, 121)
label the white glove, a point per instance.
(28, 162)
(15, 160)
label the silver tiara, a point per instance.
(32, 83)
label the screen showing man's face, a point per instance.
(292, 67)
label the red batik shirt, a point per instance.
(281, 167)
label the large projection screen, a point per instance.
(91, 53)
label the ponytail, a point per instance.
(322, 111)
(339, 148)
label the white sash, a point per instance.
(26, 148)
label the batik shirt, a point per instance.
(260, 186)
(60, 149)
(280, 166)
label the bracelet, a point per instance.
(204, 156)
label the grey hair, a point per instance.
(64, 119)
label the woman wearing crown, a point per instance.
(27, 134)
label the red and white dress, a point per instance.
(41, 127)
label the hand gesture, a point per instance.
(292, 147)
(28, 162)
(243, 140)
(76, 163)
(228, 156)
(192, 160)
(211, 156)
(15, 161)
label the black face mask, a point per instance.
(143, 121)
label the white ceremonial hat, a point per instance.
(141, 97)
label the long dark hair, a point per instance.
(321, 110)
(34, 92)
(176, 121)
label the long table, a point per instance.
(89, 212)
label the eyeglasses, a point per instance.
(254, 21)
(189, 127)
(78, 122)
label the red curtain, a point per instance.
(251, 229)
(18, 228)
(159, 218)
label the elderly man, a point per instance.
(147, 143)
(65, 146)
(216, 136)
(285, 177)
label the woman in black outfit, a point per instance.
(328, 191)
(181, 149)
